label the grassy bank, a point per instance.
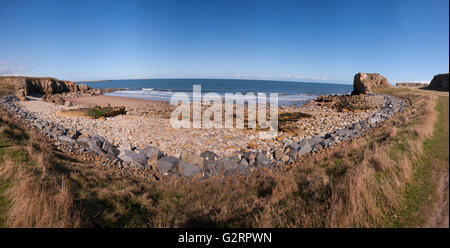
(383, 179)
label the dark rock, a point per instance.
(222, 165)
(96, 146)
(209, 156)
(129, 156)
(188, 170)
(110, 149)
(166, 164)
(56, 132)
(152, 154)
(439, 82)
(243, 162)
(262, 160)
(74, 134)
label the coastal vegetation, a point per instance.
(393, 176)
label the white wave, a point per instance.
(166, 95)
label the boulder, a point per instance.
(364, 83)
(95, 145)
(166, 164)
(278, 154)
(129, 156)
(21, 94)
(209, 156)
(110, 149)
(192, 158)
(250, 157)
(187, 169)
(292, 150)
(152, 154)
(74, 134)
(55, 99)
(262, 160)
(222, 165)
(83, 87)
(55, 132)
(439, 82)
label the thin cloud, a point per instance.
(7, 69)
(303, 77)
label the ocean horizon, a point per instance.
(289, 92)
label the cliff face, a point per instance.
(44, 85)
(363, 83)
(440, 82)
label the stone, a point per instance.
(166, 164)
(56, 99)
(364, 83)
(187, 169)
(262, 160)
(95, 140)
(305, 148)
(150, 152)
(21, 94)
(83, 140)
(192, 158)
(292, 153)
(74, 134)
(65, 138)
(209, 156)
(243, 162)
(55, 132)
(373, 120)
(221, 165)
(129, 156)
(96, 146)
(278, 154)
(110, 149)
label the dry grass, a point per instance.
(36, 197)
(358, 185)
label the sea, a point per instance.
(289, 93)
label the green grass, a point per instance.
(421, 190)
(97, 112)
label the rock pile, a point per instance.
(206, 164)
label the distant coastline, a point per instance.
(91, 81)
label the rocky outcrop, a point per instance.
(364, 83)
(43, 85)
(439, 82)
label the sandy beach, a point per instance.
(114, 101)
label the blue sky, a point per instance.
(324, 41)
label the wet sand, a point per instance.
(114, 101)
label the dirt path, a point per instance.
(437, 215)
